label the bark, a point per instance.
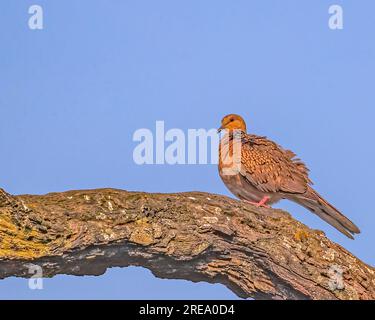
(256, 252)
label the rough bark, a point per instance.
(255, 252)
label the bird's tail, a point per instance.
(312, 201)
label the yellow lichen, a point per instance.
(19, 242)
(141, 236)
(301, 235)
(143, 233)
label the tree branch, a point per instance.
(255, 252)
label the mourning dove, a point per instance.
(264, 173)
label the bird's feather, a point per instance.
(322, 208)
(271, 169)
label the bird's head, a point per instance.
(232, 122)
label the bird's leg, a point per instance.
(261, 203)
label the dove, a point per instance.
(261, 172)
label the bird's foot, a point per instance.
(261, 203)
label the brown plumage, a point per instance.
(265, 172)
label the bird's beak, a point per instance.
(219, 130)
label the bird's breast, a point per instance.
(229, 171)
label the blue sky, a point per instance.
(73, 93)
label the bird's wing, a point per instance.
(270, 168)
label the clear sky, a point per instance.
(72, 94)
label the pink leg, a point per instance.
(261, 203)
